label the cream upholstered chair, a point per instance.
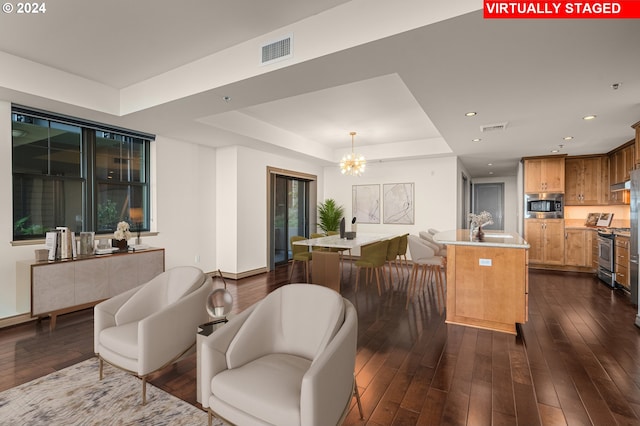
(441, 249)
(287, 360)
(424, 259)
(153, 325)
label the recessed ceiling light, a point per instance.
(588, 117)
(226, 99)
(615, 86)
(476, 140)
(490, 164)
(470, 114)
(568, 138)
(490, 173)
(555, 151)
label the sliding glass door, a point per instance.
(290, 214)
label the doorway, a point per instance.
(290, 197)
(490, 197)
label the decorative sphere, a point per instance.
(219, 303)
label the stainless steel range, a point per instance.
(607, 254)
(606, 257)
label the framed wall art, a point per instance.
(398, 203)
(366, 203)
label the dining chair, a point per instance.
(426, 262)
(392, 254)
(441, 249)
(317, 235)
(372, 259)
(402, 251)
(339, 250)
(300, 253)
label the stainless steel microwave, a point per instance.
(545, 205)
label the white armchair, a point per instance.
(287, 360)
(153, 325)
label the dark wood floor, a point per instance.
(576, 362)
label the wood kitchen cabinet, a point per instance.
(621, 162)
(622, 261)
(578, 247)
(544, 174)
(594, 249)
(546, 238)
(584, 180)
(636, 127)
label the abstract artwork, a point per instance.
(366, 203)
(398, 203)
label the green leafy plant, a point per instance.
(329, 215)
(22, 228)
(107, 216)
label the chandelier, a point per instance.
(352, 164)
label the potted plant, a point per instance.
(329, 215)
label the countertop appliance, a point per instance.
(634, 201)
(545, 205)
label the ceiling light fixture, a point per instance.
(588, 117)
(352, 164)
(470, 114)
(567, 138)
(476, 140)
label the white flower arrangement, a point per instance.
(122, 231)
(482, 219)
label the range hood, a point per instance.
(621, 186)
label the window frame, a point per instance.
(88, 169)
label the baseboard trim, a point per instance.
(238, 275)
(16, 319)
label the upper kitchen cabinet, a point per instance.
(621, 162)
(544, 174)
(586, 180)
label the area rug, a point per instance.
(75, 396)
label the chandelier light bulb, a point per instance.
(352, 164)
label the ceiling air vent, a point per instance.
(277, 50)
(493, 127)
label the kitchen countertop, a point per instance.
(493, 238)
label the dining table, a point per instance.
(326, 269)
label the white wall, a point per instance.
(242, 205)
(511, 200)
(185, 214)
(435, 191)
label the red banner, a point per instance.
(622, 9)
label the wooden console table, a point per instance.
(70, 285)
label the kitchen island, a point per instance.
(487, 281)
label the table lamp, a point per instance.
(219, 302)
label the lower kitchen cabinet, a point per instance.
(622, 261)
(578, 247)
(547, 241)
